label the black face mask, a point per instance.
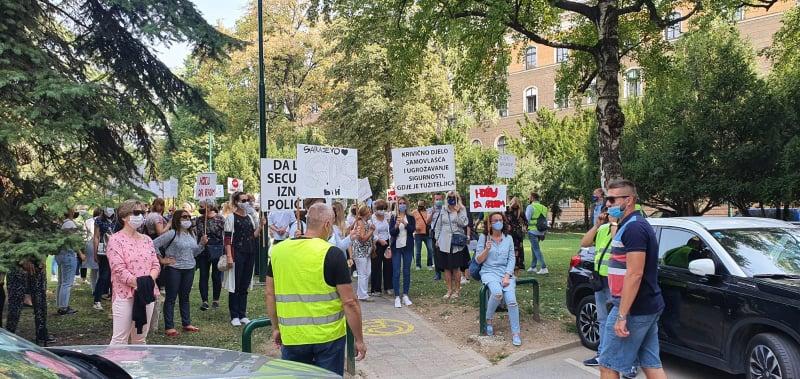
(201, 211)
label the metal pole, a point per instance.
(261, 259)
(211, 151)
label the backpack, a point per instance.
(541, 223)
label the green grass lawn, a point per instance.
(90, 326)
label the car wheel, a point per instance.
(587, 324)
(772, 356)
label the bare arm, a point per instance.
(352, 311)
(588, 239)
(96, 240)
(272, 311)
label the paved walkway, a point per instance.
(401, 344)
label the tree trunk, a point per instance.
(610, 118)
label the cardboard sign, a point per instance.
(171, 188)
(219, 191)
(364, 189)
(235, 185)
(278, 184)
(327, 172)
(488, 198)
(391, 195)
(206, 186)
(506, 166)
(424, 169)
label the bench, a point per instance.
(263, 322)
(484, 296)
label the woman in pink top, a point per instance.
(130, 255)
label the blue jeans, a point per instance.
(601, 300)
(497, 293)
(418, 240)
(537, 251)
(67, 262)
(403, 256)
(329, 355)
(640, 348)
(178, 283)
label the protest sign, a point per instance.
(171, 188)
(487, 198)
(364, 189)
(506, 166)
(235, 185)
(327, 172)
(278, 184)
(219, 191)
(391, 194)
(424, 169)
(206, 186)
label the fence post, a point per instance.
(247, 332)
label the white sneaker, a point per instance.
(530, 270)
(464, 280)
(98, 306)
(397, 302)
(53, 278)
(236, 322)
(406, 301)
(430, 268)
(543, 271)
(244, 320)
(355, 275)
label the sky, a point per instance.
(227, 11)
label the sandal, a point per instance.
(447, 295)
(171, 333)
(455, 295)
(191, 328)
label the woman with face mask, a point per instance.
(210, 224)
(496, 254)
(381, 269)
(133, 259)
(401, 229)
(241, 239)
(451, 241)
(104, 227)
(181, 247)
(362, 251)
(516, 228)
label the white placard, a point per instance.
(364, 189)
(156, 187)
(171, 188)
(206, 186)
(327, 172)
(278, 184)
(487, 198)
(424, 169)
(506, 166)
(235, 185)
(219, 191)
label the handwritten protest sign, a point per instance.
(424, 169)
(487, 198)
(364, 189)
(327, 172)
(278, 184)
(206, 186)
(506, 166)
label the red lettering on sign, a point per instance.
(204, 180)
(495, 203)
(487, 192)
(477, 205)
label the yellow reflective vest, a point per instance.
(309, 310)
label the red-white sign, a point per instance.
(487, 198)
(391, 194)
(235, 185)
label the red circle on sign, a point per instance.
(235, 183)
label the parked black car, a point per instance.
(732, 298)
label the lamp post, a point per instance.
(261, 259)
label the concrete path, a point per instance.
(401, 344)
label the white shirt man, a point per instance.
(279, 222)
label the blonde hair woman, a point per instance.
(362, 250)
(451, 240)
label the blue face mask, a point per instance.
(402, 208)
(451, 201)
(497, 225)
(616, 212)
(594, 198)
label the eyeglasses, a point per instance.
(138, 213)
(186, 217)
(613, 199)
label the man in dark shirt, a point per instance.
(309, 292)
(631, 329)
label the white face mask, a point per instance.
(109, 212)
(136, 221)
(186, 224)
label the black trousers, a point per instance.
(103, 278)
(20, 283)
(243, 265)
(381, 270)
(208, 266)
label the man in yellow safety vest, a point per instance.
(309, 296)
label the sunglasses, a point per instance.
(613, 199)
(451, 198)
(138, 213)
(186, 217)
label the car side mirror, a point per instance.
(702, 267)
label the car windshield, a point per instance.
(22, 359)
(768, 251)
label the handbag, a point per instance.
(459, 240)
(475, 268)
(596, 281)
(222, 265)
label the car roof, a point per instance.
(718, 223)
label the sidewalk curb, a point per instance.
(529, 355)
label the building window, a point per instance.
(501, 144)
(503, 111)
(531, 99)
(633, 83)
(561, 55)
(738, 14)
(673, 31)
(530, 58)
(477, 142)
(561, 99)
(591, 92)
